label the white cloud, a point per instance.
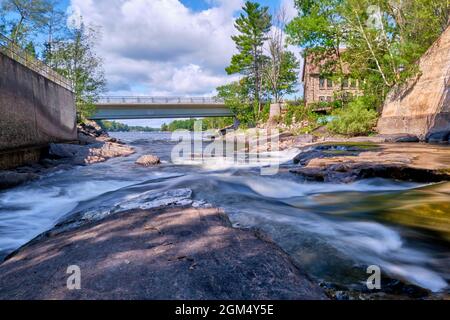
(162, 47)
(289, 6)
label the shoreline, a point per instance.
(93, 146)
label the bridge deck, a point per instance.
(159, 107)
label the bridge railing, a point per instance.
(16, 53)
(159, 100)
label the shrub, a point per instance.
(355, 119)
(299, 113)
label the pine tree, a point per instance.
(253, 26)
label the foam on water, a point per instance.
(26, 212)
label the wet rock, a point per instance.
(147, 200)
(330, 150)
(419, 163)
(62, 150)
(438, 137)
(85, 139)
(400, 138)
(92, 129)
(396, 287)
(170, 253)
(148, 160)
(89, 154)
(407, 138)
(305, 139)
(9, 179)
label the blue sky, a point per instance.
(165, 47)
(199, 5)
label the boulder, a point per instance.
(407, 138)
(422, 106)
(148, 160)
(416, 162)
(88, 154)
(156, 254)
(91, 128)
(305, 139)
(9, 179)
(84, 139)
(63, 150)
(438, 137)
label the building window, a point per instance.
(321, 99)
(329, 83)
(321, 83)
(345, 83)
(328, 99)
(347, 96)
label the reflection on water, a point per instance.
(332, 230)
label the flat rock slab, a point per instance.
(410, 162)
(171, 253)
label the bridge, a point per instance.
(114, 108)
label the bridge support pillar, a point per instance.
(236, 123)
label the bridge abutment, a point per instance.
(34, 111)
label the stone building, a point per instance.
(321, 89)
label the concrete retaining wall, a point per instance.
(422, 106)
(34, 111)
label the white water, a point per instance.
(328, 228)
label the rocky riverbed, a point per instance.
(347, 162)
(93, 146)
(165, 230)
(168, 247)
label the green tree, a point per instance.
(25, 17)
(320, 31)
(75, 58)
(383, 38)
(236, 97)
(164, 127)
(253, 26)
(55, 30)
(31, 49)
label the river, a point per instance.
(334, 231)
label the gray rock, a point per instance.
(400, 138)
(148, 160)
(407, 138)
(305, 139)
(170, 253)
(9, 179)
(63, 150)
(438, 137)
(85, 139)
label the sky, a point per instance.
(166, 47)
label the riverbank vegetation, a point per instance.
(43, 29)
(114, 126)
(376, 43)
(268, 70)
(189, 124)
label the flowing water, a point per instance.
(334, 231)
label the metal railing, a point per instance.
(159, 100)
(18, 54)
